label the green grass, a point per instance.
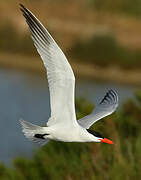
(93, 161)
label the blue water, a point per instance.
(25, 95)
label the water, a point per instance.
(25, 95)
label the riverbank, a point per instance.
(90, 71)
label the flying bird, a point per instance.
(62, 124)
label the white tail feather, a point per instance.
(30, 130)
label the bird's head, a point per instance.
(99, 137)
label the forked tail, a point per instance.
(33, 132)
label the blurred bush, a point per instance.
(105, 50)
(101, 49)
(94, 161)
(11, 41)
(128, 7)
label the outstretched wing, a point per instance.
(106, 107)
(60, 75)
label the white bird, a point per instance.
(62, 125)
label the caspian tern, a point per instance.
(62, 124)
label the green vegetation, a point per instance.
(105, 50)
(13, 42)
(102, 49)
(128, 7)
(94, 161)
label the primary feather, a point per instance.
(106, 107)
(61, 79)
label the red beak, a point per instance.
(105, 140)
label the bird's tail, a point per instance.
(33, 132)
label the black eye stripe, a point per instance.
(96, 134)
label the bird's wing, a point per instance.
(106, 107)
(61, 79)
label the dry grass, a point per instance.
(72, 20)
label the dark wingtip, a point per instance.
(22, 8)
(108, 95)
(21, 5)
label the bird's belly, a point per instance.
(64, 136)
(69, 135)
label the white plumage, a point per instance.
(62, 125)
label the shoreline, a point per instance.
(81, 70)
